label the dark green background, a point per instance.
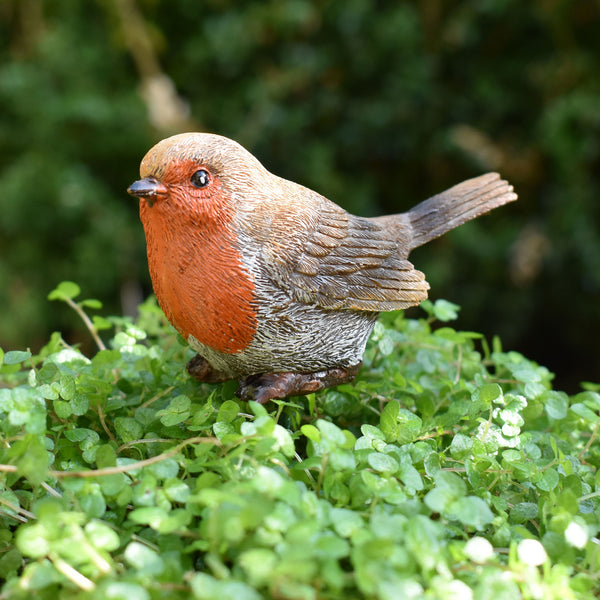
(377, 105)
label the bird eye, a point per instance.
(200, 178)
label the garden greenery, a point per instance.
(449, 469)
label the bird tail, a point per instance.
(457, 205)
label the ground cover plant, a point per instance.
(375, 105)
(450, 469)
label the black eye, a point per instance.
(200, 178)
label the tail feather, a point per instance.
(457, 205)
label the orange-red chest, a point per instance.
(199, 278)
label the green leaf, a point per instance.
(128, 429)
(67, 387)
(223, 429)
(206, 587)
(91, 303)
(590, 398)
(106, 456)
(106, 357)
(83, 436)
(581, 410)
(40, 575)
(548, 481)
(176, 490)
(123, 590)
(10, 563)
(445, 311)
(148, 515)
(555, 404)
(80, 404)
(65, 290)
(33, 460)
(432, 464)
(388, 420)
(165, 469)
(331, 546)
(331, 432)
(258, 410)
(33, 540)
(424, 537)
(383, 463)
(285, 443)
(15, 357)
(179, 410)
(228, 411)
(461, 446)
(311, 432)
(93, 502)
(409, 426)
(410, 477)
(62, 409)
(100, 323)
(471, 511)
(523, 511)
(345, 522)
(258, 565)
(488, 393)
(143, 559)
(112, 485)
(101, 536)
(370, 431)
(449, 487)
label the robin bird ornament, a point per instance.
(271, 283)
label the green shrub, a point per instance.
(449, 469)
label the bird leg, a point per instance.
(268, 386)
(263, 387)
(199, 368)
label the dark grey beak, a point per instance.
(148, 188)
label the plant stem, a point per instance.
(87, 321)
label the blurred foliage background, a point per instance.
(375, 104)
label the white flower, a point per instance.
(479, 550)
(576, 535)
(457, 590)
(531, 552)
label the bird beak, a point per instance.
(148, 188)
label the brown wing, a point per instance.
(346, 262)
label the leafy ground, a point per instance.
(448, 470)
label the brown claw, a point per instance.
(200, 369)
(270, 386)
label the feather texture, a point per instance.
(346, 262)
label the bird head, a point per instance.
(199, 173)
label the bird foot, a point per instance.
(269, 386)
(200, 369)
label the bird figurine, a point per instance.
(270, 282)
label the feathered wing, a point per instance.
(346, 262)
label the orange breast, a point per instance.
(199, 279)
